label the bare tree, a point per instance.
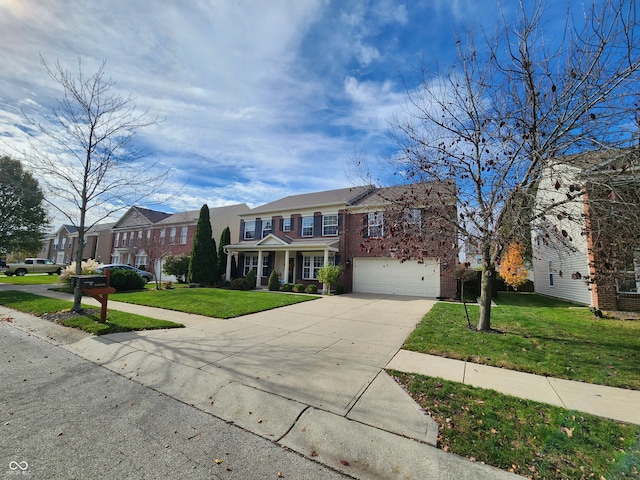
(509, 107)
(86, 153)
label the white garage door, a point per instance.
(389, 276)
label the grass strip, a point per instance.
(211, 302)
(538, 335)
(46, 306)
(528, 438)
(30, 279)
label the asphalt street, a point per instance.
(65, 417)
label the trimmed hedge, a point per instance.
(239, 284)
(311, 288)
(126, 280)
(274, 282)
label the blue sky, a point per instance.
(259, 99)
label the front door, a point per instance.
(60, 257)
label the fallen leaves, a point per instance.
(567, 431)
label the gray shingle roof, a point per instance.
(342, 196)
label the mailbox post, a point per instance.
(98, 287)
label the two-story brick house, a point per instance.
(297, 235)
(60, 246)
(144, 237)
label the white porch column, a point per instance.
(227, 273)
(325, 287)
(259, 274)
(285, 274)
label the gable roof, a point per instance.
(152, 216)
(339, 197)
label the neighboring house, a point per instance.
(592, 256)
(60, 246)
(297, 235)
(143, 237)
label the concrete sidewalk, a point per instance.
(614, 403)
(309, 377)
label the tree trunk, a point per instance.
(486, 291)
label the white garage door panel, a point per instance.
(389, 276)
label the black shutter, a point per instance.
(298, 227)
(340, 215)
(365, 225)
(317, 225)
(258, 233)
(241, 234)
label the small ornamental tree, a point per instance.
(177, 265)
(329, 275)
(204, 261)
(512, 269)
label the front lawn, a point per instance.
(211, 302)
(539, 335)
(60, 310)
(525, 437)
(30, 279)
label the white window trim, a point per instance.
(266, 231)
(250, 262)
(375, 225)
(286, 224)
(311, 263)
(306, 220)
(249, 234)
(183, 235)
(326, 226)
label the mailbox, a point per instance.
(89, 281)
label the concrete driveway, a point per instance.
(323, 353)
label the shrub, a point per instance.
(287, 287)
(89, 267)
(251, 279)
(340, 289)
(125, 280)
(178, 266)
(239, 284)
(298, 288)
(311, 288)
(274, 282)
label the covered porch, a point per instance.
(294, 260)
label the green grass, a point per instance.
(538, 335)
(30, 279)
(526, 437)
(212, 302)
(116, 321)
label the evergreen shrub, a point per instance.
(311, 288)
(298, 288)
(251, 279)
(274, 282)
(239, 284)
(287, 287)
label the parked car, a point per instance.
(118, 266)
(32, 265)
